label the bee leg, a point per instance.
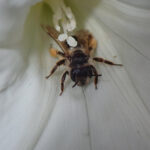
(98, 59)
(96, 75)
(62, 81)
(75, 84)
(59, 63)
(60, 54)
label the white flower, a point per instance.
(34, 116)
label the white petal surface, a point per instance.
(131, 39)
(24, 94)
(115, 117)
(12, 15)
(138, 3)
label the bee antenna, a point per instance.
(75, 84)
(96, 75)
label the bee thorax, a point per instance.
(78, 58)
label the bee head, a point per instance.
(80, 75)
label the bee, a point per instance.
(78, 60)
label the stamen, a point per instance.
(71, 22)
(62, 37)
(71, 41)
(64, 21)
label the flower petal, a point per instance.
(24, 91)
(130, 33)
(12, 15)
(33, 116)
(137, 3)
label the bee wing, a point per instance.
(86, 41)
(54, 34)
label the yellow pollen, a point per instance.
(93, 43)
(53, 52)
